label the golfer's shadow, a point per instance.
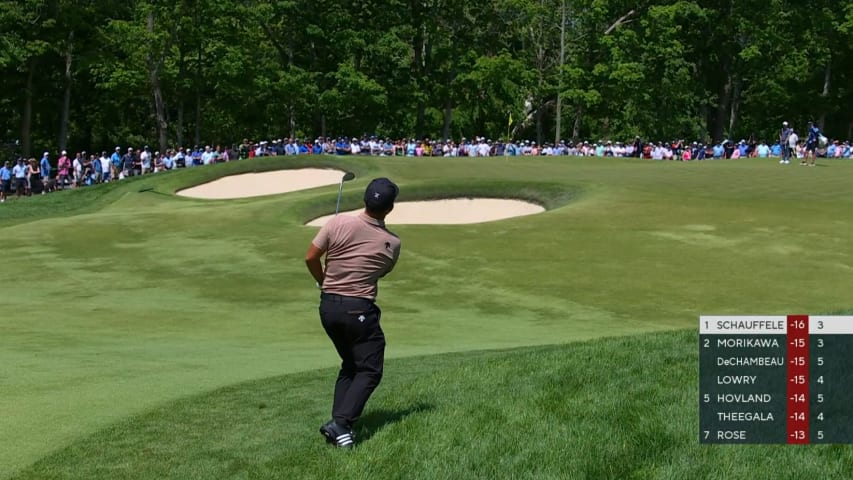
(375, 420)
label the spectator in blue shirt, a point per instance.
(5, 181)
(97, 169)
(342, 147)
(44, 165)
(811, 144)
(718, 150)
(196, 156)
(776, 150)
(115, 161)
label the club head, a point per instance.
(348, 176)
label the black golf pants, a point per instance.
(353, 325)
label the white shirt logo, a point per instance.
(361, 318)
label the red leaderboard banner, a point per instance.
(776, 379)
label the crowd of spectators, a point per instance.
(483, 147)
(28, 177)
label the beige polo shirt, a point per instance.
(359, 251)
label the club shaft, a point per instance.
(340, 192)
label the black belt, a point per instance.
(333, 297)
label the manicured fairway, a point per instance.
(604, 409)
(117, 302)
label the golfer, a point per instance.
(359, 251)
(783, 142)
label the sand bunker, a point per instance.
(266, 183)
(456, 211)
(439, 212)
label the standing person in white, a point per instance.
(793, 139)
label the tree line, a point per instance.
(94, 73)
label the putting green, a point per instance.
(130, 299)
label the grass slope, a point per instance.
(607, 409)
(121, 301)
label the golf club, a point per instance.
(346, 178)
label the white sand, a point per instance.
(439, 212)
(266, 183)
(455, 211)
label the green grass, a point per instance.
(590, 410)
(119, 302)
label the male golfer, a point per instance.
(783, 142)
(359, 251)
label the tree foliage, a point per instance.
(94, 73)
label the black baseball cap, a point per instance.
(380, 194)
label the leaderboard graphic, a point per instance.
(776, 379)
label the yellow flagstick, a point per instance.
(508, 127)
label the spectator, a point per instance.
(116, 164)
(105, 167)
(728, 148)
(127, 164)
(793, 140)
(719, 151)
(44, 165)
(180, 161)
(831, 149)
(89, 177)
(637, 147)
(811, 145)
(197, 155)
(63, 168)
(206, 156)
(157, 162)
(762, 150)
(145, 160)
(168, 161)
(5, 181)
(77, 169)
(776, 151)
(342, 147)
(34, 177)
(19, 171)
